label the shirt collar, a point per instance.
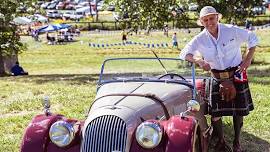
(210, 35)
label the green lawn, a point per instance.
(68, 74)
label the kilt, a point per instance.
(240, 106)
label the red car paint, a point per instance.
(178, 135)
(36, 137)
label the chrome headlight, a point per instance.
(62, 133)
(148, 134)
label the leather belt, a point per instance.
(223, 74)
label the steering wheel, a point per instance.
(171, 76)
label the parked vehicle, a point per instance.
(53, 14)
(52, 5)
(60, 6)
(70, 6)
(258, 10)
(83, 4)
(138, 108)
(193, 7)
(68, 14)
(111, 8)
(45, 5)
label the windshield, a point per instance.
(134, 69)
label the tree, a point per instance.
(232, 9)
(148, 14)
(9, 39)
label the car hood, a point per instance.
(173, 95)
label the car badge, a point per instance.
(113, 107)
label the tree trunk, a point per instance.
(2, 65)
(6, 63)
(96, 12)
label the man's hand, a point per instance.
(244, 65)
(247, 59)
(203, 64)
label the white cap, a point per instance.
(208, 10)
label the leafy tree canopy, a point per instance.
(232, 9)
(156, 13)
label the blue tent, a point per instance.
(52, 27)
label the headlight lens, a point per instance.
(148, 134)
(62, 133)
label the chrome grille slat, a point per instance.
(105, 134)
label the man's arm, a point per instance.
(203, 64)
(247, 59)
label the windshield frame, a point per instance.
(100, 81)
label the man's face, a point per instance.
(210, 22)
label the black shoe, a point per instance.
(237, 147)
(222, 146)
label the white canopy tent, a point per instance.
(39, 18)
(22, 21)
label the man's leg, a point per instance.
(217, 124)
(221, 145)
(237, 124)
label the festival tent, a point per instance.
(22, 21)
(39, 18)
(53, 27)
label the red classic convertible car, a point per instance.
(141, 105)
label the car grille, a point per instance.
(105, 134)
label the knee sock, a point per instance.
(237, 124)
(217, 125)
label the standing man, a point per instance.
(219, 48)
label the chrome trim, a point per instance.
(105, 134)
(153, 125)
(69, 128)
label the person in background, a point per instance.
(174, 41)
(18, 70)
(166, 30)
(124, 36)
(247, 24)
(219, 49)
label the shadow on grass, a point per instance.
(249, 142)
(263, 46)
(263, 76)
(51, 78)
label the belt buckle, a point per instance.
(224, 75)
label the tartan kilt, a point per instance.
(240, 106)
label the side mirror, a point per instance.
(193, 106)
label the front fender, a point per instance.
(36, 137)
(179, 135)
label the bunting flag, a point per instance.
(140, 44)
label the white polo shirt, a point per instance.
(224, 51)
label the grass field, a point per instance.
(68, 74)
